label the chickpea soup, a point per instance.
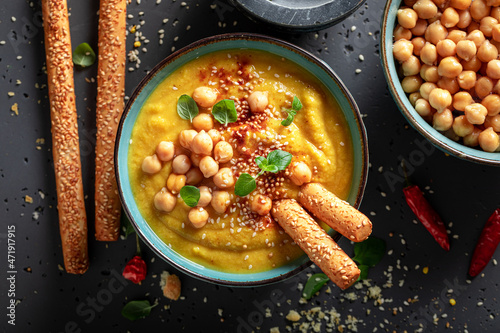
(221, 138)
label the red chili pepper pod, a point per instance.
(427, 215)
(487, 244)
(135, 270)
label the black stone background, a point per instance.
(465, 194)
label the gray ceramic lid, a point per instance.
(299, 15)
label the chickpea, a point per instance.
(450, 134)
(476, 113)
(464, 19)
(450, 17)
(407, 18)
(450, 67)
(181, 164)
(202, 144)
(423, 107)
(220, 201)
(194, 176)
(489, 140)
(487, 51)
(165, 201)
(493, 69)
(456, 36)
(442, 121)
(440, 99)
(186, 138)
(402, 50)
(479, 9)
(425, 9)
(214, 135)
(462, 127)
(205, 196)
(429, 73)
(494, 122)
(401, 33)
(460, 4)
(461, 99)
(495, 32)
(493, 3)
(472, 140)
(466, 80)
(176, 182)
(419, 28)
(411, 84)
(165, 151)
(435, 32)
(223, 152)
(446, 48)
(203, 121)
(198, 217)
(205, 96)
(258, 101)
(261, 204)
(496, 88)
(487, 24)
(466, 49)
(492, 104)
(151, 164)
(411, 66)
(483, 87)
(300, 173)
(448, 84)
(426, 88)
(428, 54)
(477, 37)
(208, 166)
(495, 13)
(418, 43)
(413, 97)
(224, 178)
(409, 3)
(472, 65)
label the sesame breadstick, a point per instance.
(65, 145)
(337, 213)
(110, 103)
(315, 242)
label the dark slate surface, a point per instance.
(49, 300)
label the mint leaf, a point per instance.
(126, 225)
(244, 185)
(314, 284)
(187, 108)
(369, 252)
(296, 104)
(134, 310)
(225, 112)
(364, 272)
(288, 121)
(281, 159)
(83, 55)
(190, 195)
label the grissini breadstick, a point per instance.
(110, 103)
(336, 213)
(315, 242)
(65, 145)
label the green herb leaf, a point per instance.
(244, 185)
(369, 252)
(261, 162)
(83, 55)
(296, 104)
(314, 284)
(225, 112)
(187, 108)
(281, 159)
(288, 121)
(190, 195)
(126, 225)
(134, 310)
(364, 272)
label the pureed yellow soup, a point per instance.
(239, 239)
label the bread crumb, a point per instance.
(14, 108)
(171, 285)
(293, 316)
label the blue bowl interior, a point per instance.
(162, 71)
(439, 140)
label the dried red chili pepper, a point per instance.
(427, 215)
(487, 244)
(135, 270)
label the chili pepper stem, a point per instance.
(407, 179)
(138, 250)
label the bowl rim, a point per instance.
(247, 37)
(436, 138)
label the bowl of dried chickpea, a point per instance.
(441, 61)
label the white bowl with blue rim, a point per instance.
(170, 64)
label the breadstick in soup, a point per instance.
(110, 103)
(315, 242)
(65, 145)
(336, 213)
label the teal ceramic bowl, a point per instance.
(436, 138)
(213, 44)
